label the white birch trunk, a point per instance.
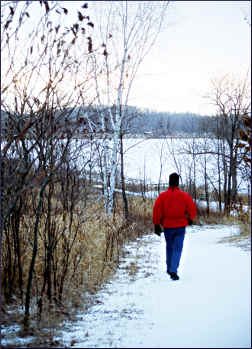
(128, 31)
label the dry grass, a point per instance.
(93, 261)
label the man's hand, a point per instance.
(158, 230)
(190, 222)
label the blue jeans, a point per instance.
(174, 238)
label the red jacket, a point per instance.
(172, 208)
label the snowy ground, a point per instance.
(209, 307)
(141, 307)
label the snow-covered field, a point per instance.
(153, 160)
(156, 159)
(209, 307)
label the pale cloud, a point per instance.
(208, 39)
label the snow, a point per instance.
(214, 206)
(152, 194)
(155, 159)
(208, 307)
(144, 159)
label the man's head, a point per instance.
(174, 180)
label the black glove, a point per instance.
(190, 222)
(158, 230)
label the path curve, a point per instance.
(141, 307)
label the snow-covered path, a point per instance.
(208, 307)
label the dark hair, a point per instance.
(174, 180)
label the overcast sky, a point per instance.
(203, 40)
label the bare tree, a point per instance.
(245, 147)
(41, 90)
(245, 139)
(128, 30)
(232, 100)
(124, 129)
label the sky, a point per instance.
(202, 40)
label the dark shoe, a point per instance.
(174, 276)
(168, 272)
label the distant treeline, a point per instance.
(136, 121)
(168, 123)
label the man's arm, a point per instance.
(157, 215)
(191, 209)
(158, 230)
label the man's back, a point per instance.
(172, 208)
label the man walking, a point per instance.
(174, 209)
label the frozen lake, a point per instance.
(156, 159)
(153, 160)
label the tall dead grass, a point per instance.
(98, 242)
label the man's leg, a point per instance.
(169, 241)
(177, 246)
